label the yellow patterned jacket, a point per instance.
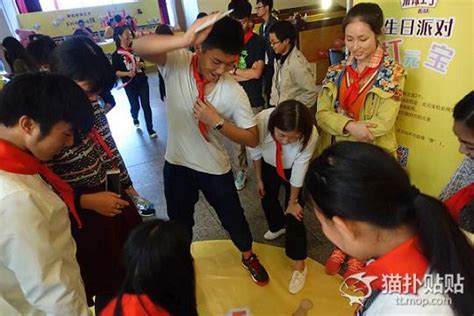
(381, 106)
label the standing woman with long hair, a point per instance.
(360, 97)
(368, 208)
(131, 69)
(107, 216)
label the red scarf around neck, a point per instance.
(354, 88)
(278, 160)
(248, 36)
(356, 79)
(459, 200)
(98, 140)
(201, 83)
(15, 160)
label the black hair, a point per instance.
(363, 182)
(369, 13)
(464, 110)
(110, 21)
(118, 32)
(268, 3)
(163, 29)
(118, 18)
(40, 49)
(226, 35)
(47, 99)
(284, 30)
(158, 263)
(80, 59)
(242, 9)
(291, 115)
(201, 15)
(80, 21)
(14, 50)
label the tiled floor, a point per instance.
(144, 158)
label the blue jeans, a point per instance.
(182, 186)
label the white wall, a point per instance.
(191, 10)
(8, 14)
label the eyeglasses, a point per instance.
(274, 43)
(259, 7)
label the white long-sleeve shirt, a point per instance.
(292, 156)
(39, 273)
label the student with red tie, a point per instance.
(288, 138)
(205, 104)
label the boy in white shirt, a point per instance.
(204, 103)
(39, 275)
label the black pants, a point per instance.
(295, 239)
(162, 87)
(267, 79)
(182, 187)
(140, 94)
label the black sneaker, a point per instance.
(136, 123)
(147, 212)
(258, 272)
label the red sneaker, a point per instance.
(257, 271)
(353, 266)
(335, 261)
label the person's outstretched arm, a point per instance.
(154, 47)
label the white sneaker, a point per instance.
(270, 235)
(298, 280)
(240, 180)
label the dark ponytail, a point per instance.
(362, 182)
(446, 248)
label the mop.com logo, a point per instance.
(348, 291)
(406, 4)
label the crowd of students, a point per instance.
(63, 235)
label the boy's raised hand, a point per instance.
(192, 38)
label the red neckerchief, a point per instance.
(201, 83)
(98, 140)
(278, 160)
(458, 200)
(127, 54)
(405, 259)
(15, 160)
(354, 79)
(134, 304)
(248, 36)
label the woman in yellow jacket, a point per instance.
(360, 97)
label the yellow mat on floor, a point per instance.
(222, 283)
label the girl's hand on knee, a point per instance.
(295, 209)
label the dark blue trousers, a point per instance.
(182, 186)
